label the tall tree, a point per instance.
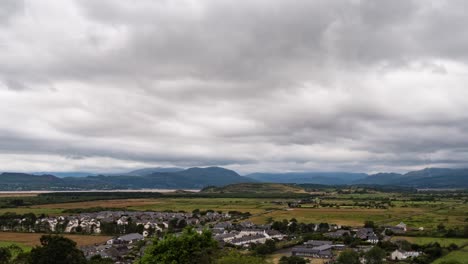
(189, 247)
(56, 250)
(348, 257)
(5, 255)
(375, 255)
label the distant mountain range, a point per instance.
(159, 178)
(426, 178)
(197, 178)
(327, 178)
(65, 174)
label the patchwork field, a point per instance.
(186, 204)
(28, 240)
(343, 209)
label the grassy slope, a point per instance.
(458, 255)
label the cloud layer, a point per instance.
(263, 85)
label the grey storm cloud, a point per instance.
(258, 85)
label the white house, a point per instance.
(402, 226)
(401, 255)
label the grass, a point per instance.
(185, 204)
(256, 188)
(37, 211)
(22, 246)
(32, 239)
(427, 214)
(459, 255)
(341, 216)
(443, 241)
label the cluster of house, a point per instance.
(245, 237)
(117, 249)
(321, 249)
(402, 255)
(401, 228)
(92, 222)
(366, 234)
(225, 232)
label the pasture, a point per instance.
(443, 241)
(28, 240)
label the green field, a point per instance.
(416, 210)
(262, 209)
(459, 255)
(22, 246)
(443, 241)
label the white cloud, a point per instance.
(259, 85)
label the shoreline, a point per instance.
(97, 190)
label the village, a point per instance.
(133, 231)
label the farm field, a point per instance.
(28, 240)
(186, 204)
(452, 213)
(384, 208)
(340, 216)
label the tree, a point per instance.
(324, 227)
(375, 255)
(293, 260)
(97, 259)
(267, 248)
(173, 223)
(56, 250)
(348, 257)
(237, 258)
(369, 224)
(440, 227)
(189, 247)
(292, 227)
(5, 255)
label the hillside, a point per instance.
(198, 178)
(426, 178)
(21, 178)
(193, 178)
(327, 178)
(257, 188)
(148, 171)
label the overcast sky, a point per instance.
(251, 85)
